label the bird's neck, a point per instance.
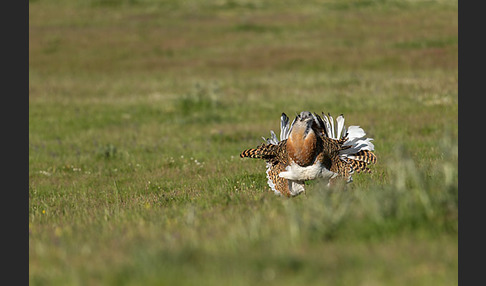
(302, 145)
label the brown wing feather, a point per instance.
(277, 158)
(280, 184)
(365, 156)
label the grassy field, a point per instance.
(138, 111)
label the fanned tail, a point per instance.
(359, 152)
(333, 130)
(356, 149)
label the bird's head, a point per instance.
(304, 123)
(305, 116)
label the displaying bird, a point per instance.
(311, 148)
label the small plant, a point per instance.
(107, 151)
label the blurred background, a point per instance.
(138, 110)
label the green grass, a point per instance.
(138, 111)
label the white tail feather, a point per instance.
(272, 140)
(327, 126)
(332, 126)
(340, 126)
(357, 141)
(284, 127)
(355, 132)
(334, 130)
